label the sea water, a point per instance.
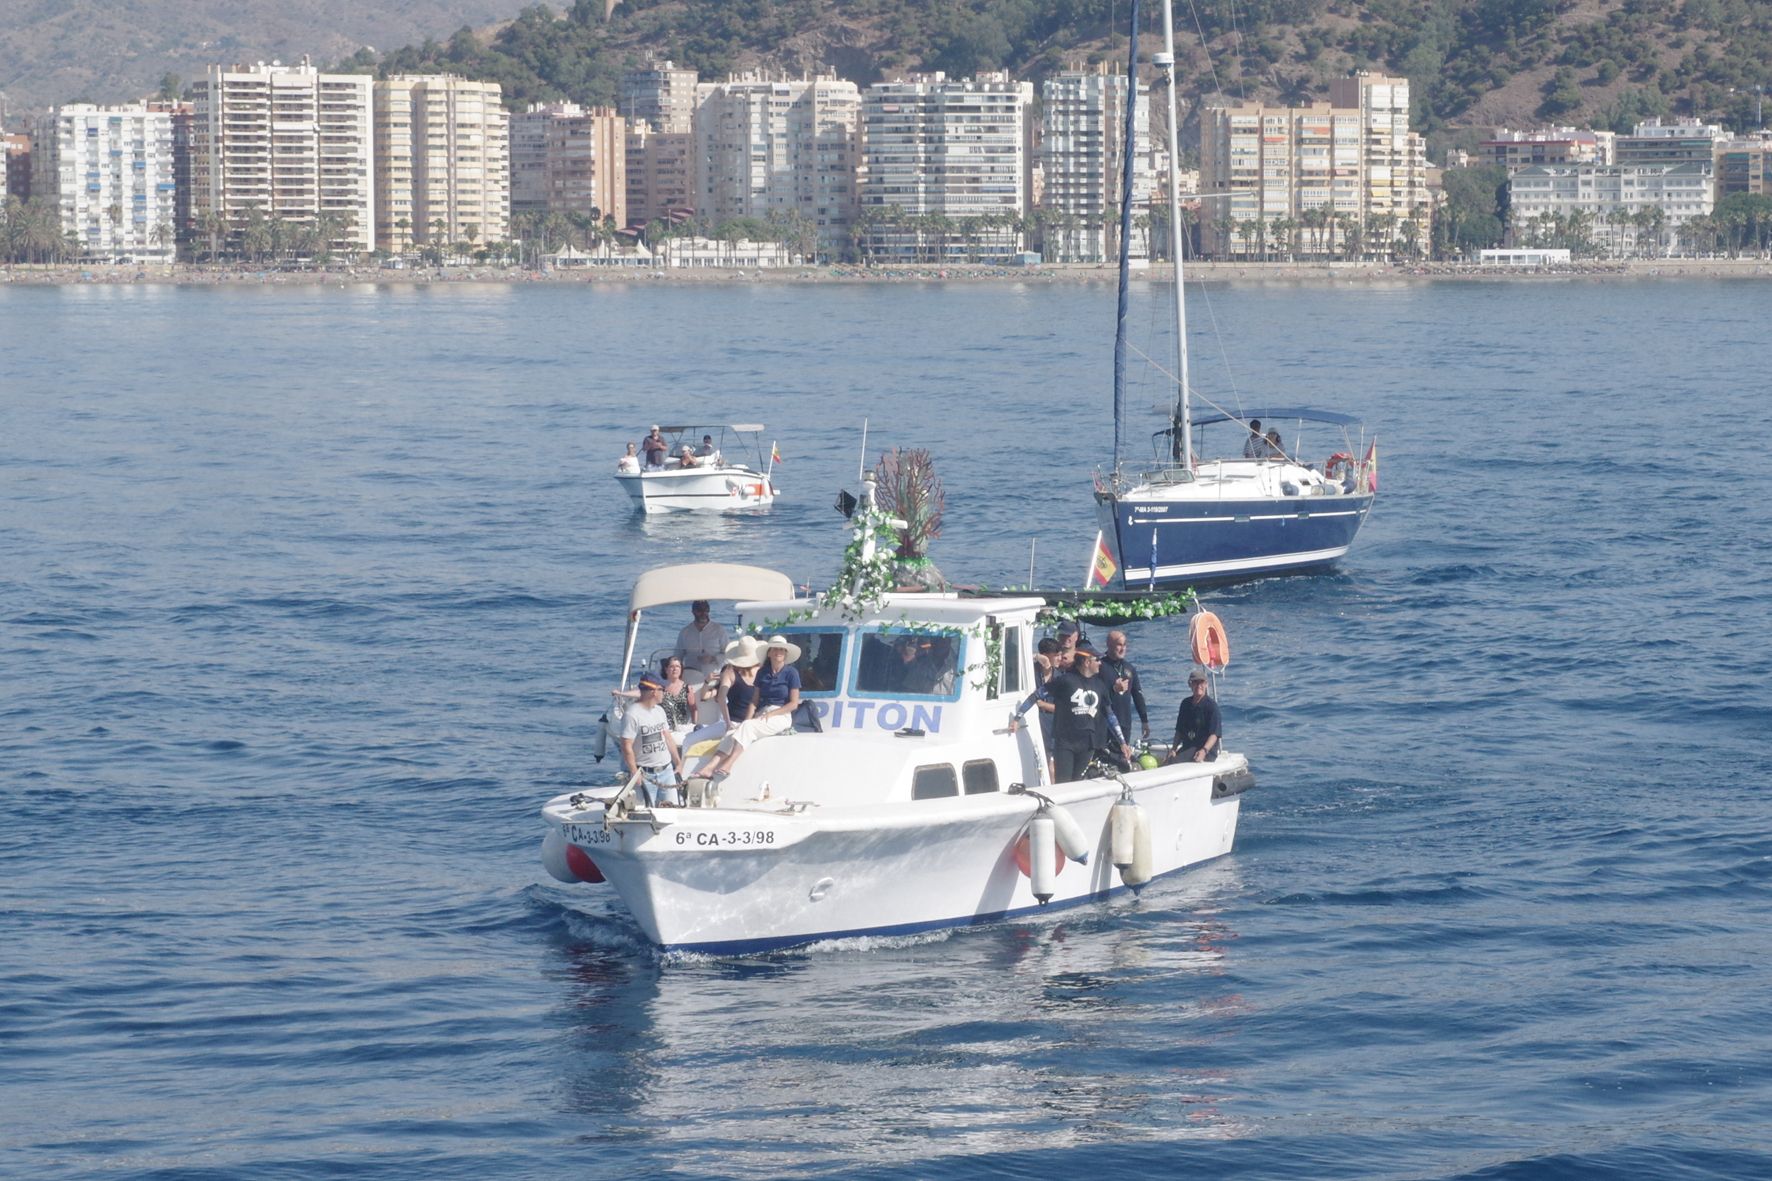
(309, 598)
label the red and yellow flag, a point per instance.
(774, 453)
(1101, 571)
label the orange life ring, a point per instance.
(1211, 646)
(1334, 463)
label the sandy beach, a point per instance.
(1215, 272)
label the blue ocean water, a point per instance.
(308, 597)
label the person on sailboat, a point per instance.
(1274, 450)
(1255, 446)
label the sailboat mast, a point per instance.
(1125, 234)
(1181, 443)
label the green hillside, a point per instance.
(1473, 63)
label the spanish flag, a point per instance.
(774, 453)
(1101, 570)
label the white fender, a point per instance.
(1122, 831)
(553, 857)
(1139, 872)
(1043, 856)
(1070, 834)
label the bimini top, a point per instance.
(708, 580)
(1276, 414)
(749, 428)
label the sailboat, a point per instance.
(1180, 519)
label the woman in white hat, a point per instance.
(777, 697)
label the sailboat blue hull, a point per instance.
(1160, 544)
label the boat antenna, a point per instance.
(1181, 425)
(1127, 145)
(861, 468)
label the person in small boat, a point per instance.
(655, 448)
(1127, 694)
(734, 691)
(685, 456)
(677, 698)
(1082, 722)
(647, 748)
(629, 462)
(1198, 727)
(701, 645)
(1044, 655)
(706, 450)
(1255, 446)
(778, 696)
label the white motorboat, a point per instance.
(719, 467)
(901, 801)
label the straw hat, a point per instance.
(744, 652)
(793, 650)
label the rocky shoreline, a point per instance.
(187, 274)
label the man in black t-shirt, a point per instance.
(1198, 728)
(1082, 721)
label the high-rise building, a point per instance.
(286, 145)
(1515, 150)
(16, 148)
(1744, 165)
(782, 151)
(1319, 179)
(661, 96)
(566, 159)
(945, 173)
(661, 173)
(110, 171)
(1083, 130)
(1655, 142)
(1393, 158)
(442, 162)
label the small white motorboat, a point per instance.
(898, 802)
(719, 467)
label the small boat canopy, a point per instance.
(708, 580)
(754, 428)
(1278, 414)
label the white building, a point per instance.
(1624, 208)
(778, 151)
(442, 164)
(285, 144)
(1083, 130)
(110, 169)
(945, 174)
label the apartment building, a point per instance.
(1319, 179)
(1515, 150)
(661, 173)
(1611, 200)
(1279, 180)
(781, 150)
(285, 144)
(442, 162)
(1653, 142)
(110, 171)
(660, 96)
(16, 148)
(945, 168)
(1744, 165)
(1082, 140)
(567, 159)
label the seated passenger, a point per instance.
(1274, 450)
(706, 450)
(685, 457)
(777, 697)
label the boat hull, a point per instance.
(739, 880)
(1167, 543)
(718, 489)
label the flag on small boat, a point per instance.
(774, 453)
(1101, 570)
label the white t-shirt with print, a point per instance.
(645, 726)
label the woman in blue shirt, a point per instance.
(778, 696)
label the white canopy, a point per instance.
(708, 580)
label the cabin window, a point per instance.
(1011, 679)
(910, 662)
(821, 661)
(980, 776)
(933, 782)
